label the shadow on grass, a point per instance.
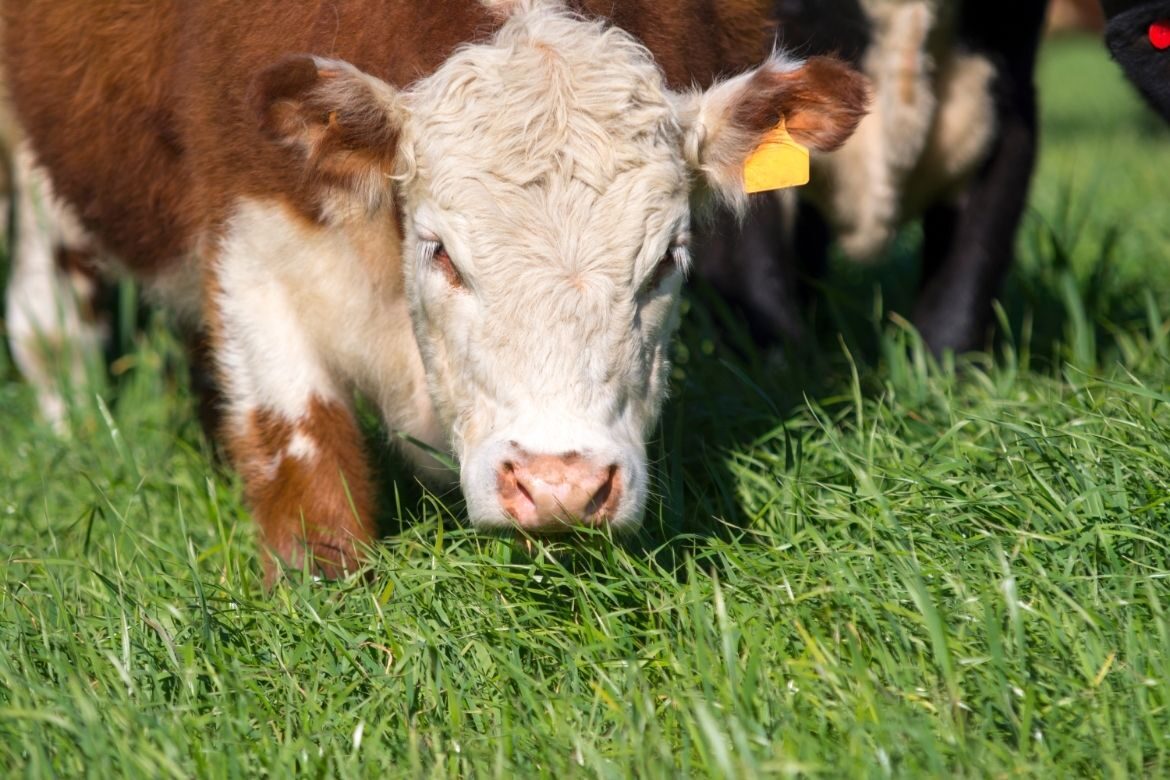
(1064, 304)
(1069, 301)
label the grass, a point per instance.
(869, 565)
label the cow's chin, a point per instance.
(552, 492)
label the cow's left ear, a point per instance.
(347, 122)
(821, 100)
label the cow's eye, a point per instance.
(674, 260)
(442, 262)
(666, 266)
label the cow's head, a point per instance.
(544, 180)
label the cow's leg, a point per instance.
(288, 425)
(969, 241)
(761, 270)
(53, 326)
(307, 482)
(204, 385)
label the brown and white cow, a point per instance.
(474, 214)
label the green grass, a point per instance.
(863, 565)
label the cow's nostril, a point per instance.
(605, 499)
(525, 492)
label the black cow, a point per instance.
(1138, 35)
(951, 139)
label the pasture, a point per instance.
(858, 563)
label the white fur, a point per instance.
(550, 165)
(302, 447)
(268, 355)
(310, 313)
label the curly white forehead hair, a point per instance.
(552, 97)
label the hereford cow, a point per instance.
(951, 139)
(1138, 35)
(476, 215)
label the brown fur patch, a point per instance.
(320, 506)
(92, 85)
(822, 103)
(693, 41)
(347, 140)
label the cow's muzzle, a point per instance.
(548, 494)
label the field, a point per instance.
(858, 564)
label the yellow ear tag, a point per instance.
(777, 163)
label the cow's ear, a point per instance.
(347, 123)
(821, 100)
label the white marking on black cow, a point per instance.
(931, 124)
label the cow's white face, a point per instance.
(544, 181)
(547, 227)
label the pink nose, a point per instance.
(550, 493)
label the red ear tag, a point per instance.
(1160, 34)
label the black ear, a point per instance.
(347, 122)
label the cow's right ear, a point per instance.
(821, 101)
(347, 122)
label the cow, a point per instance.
(474, 214)
(951, 140)
(1138, 36)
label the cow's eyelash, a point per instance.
(435, 254)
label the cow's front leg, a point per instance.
(969, 242)
(969, 245)
(766, 264)
(308, 484)
(288, 425)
